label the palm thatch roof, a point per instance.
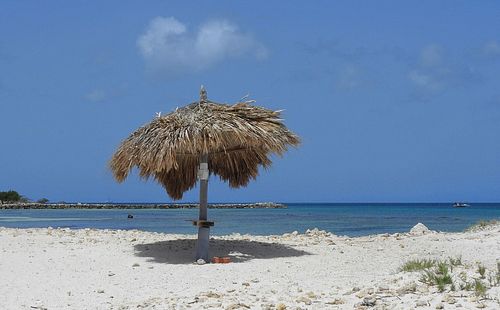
(238, 139)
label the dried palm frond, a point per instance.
(238, 139)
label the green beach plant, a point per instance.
(498, 272)
(494, 277)
(417, 265)
(438, 273)
(481, 270)
(439, 278)
(453, 287)
(481, 225)
(442, 268)
(479, 288)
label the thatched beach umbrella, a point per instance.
(203, 138)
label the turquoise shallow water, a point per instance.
(343, 219)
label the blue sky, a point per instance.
(393, 101)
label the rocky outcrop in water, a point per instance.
(258, 205)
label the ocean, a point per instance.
(351, 219)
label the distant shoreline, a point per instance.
(34, 205)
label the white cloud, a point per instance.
(431, 56)
(430, 72)
(425, 80)
(168, 46)
(348, 78)
(492, 48)
(434, 72)
(107, 93)
(96, 95)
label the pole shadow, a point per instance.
(182, 251)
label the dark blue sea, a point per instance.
(353, 219)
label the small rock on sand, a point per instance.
(280, 307)
(304, 299)
(369, 301)
(237, 306)
(449, 299)
(407, 288)
(423, 289)
(201, 261)
(383, 288)
(311, 295)
(336, 301)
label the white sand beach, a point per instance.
(107, 269)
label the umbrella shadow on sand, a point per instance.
(180, 251)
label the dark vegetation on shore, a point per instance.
(12, 196)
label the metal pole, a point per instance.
(203, 231)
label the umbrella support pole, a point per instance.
(203, 230)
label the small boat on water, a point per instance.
(460, 205)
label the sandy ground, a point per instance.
(109, 269)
